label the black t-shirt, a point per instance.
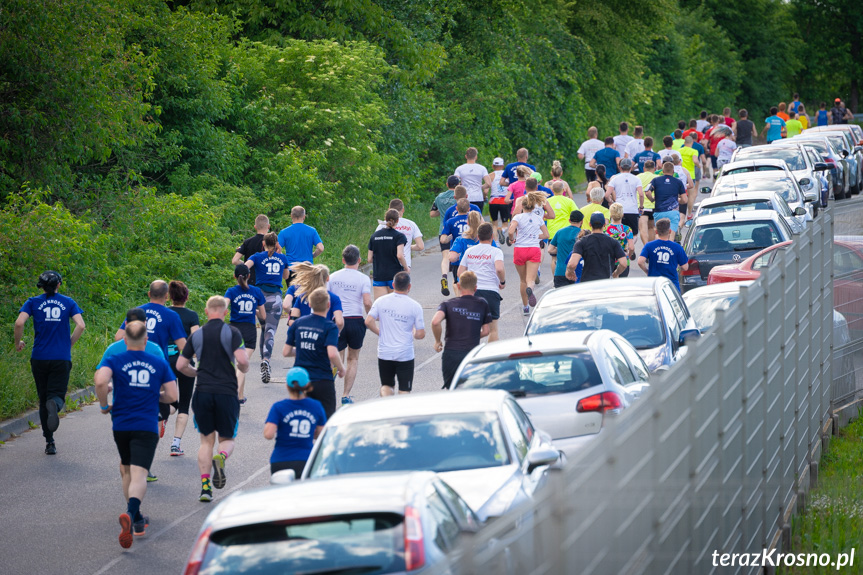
(189, 319)
(464, 317)
(384, 245)
(215, 369)
(744, 132)
(599, 252)
(250, 247)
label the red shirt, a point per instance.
(692, 132)
(729, 121)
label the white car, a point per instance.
(784, 184)
(806, 171)
(569, 383)
(747, 201)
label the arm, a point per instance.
(372, 324)
(642, 263)
(169, 392)
(249, 264)
(319, 249)
(270, 430)
(335, 359)
(419, 333)
(261, 313)
(372, 255)
(418, 242)
(571, 265)
(19, 330)
(180, 342)
(121, 333)
(288, 351)
(453, 256)
(339, 319)
(621, 267)
(593, 163)
(552, 250)
(367, 301)
(184, 367)
(610, 194)
(543, 232)
(461, 270)
(517, 209)
(549, 211)
(437, 330)
(237, 259)
(79, 327)
(649, 194)
(401, 256)
(513, 226)
(102, 379)
(501, 273)
(484, 330)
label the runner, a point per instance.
(600, 183)
(625, 189)
(645, 206)
(693, 130)
(839, 114)
(499, 209)
(486, 261)
(662, 256)
(300, 242)
(587, 150)
(726, 117)
(51, 358)
(472, 176)
(802, 116)
(467, 240)
(308, 278)
(622, 141)
(562, 242)
(140, 382)
(271, 269)
(354, 288)
(781, 112)
(774, 127)
(597, 198)
(562, 207)
(823, 118)
(621, 232)
(516, 189)
(637, 145)
(744, 131)
(689, 160)
(179, 295)
(608, 157)
(216, 402)
(526, 230)
(725, 149)
(509, 173)
(701, 123)
(314, 340)
(386, 253)
(295, 423)
(556, 173)
(134, 314)
(599, 252)
(401, 322)
(408, 228)
(793, 126)
(247, 303)
(467, 321)
(253, 244)
(543, 210)
(441, 205)
(455, 227)
(667, 191)
(795, 103)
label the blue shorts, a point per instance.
(673, 215)
(388, 284)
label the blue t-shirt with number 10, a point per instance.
(138, 378)
(269, 270)
(663, 257)
(297, 420)
(51, 315)
(244, 303)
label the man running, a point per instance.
(314, 340)
(300, 242)
(455, 227)
(646, 155)
(486, 262)
(271, 269)
(587, 150)
(410, 230)
(472, 176)
(253, 244)
(774, 126)
(662, 256)
(636, 145)
(667, 191)
(51, 358)
(216, 404)
(688, 160)
(509, 171)
(563, 242)
(355, 290)
(140, 382)
(744, 130)
(626, 189)
(623, 139)
(599, 251)
(401, 322)
(445, 207)
(645, 206)
(467, 321)
(608, 157)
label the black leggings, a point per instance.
(52, 381)
(297, 466)
(185, 386)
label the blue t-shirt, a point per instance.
(244, 303)
(310, 335)
(663, 257)
(164, 325)
(303, 305)
(509, 170)
(138, 377)
(547, 191)
(822, 118)
(564, 239)
(775, 131)
(51, 315)
(296, 420)
(120, 346)
(451, 212)
(607, 157)
(699, 148)
(455, 226)
(269, 270)
(298, 242)
(666, 190)
(642, 157)
(461, 244)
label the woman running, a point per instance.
(516, 189)
(271, 269)
(622, 233)
(294, 423)
(387, 255)
(527, 229)
(499, 208)
(600, 182)
(308, 278)
(556, 173)
(179, 295)
(247, 303)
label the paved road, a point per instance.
(59, 514)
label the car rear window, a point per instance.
(732, 183)
(703, 310)
(733, 236)
(738, 206)
(537, 375)
(792, 156)
(361, 543)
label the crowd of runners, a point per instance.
(164, 362)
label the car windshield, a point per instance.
(740, 184)
(366, 543)
(733, 237)
(703, 309)
(735, 206)
(635, 318)
(819, 145)
(441, 442)
(792, 156)
(537, 375)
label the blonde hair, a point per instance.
(308, 278)
(592, 132)
(474, 220)
(532, 200)
(217, 303)
(556, 169)
(523, 171)
(615, 212)
(467, 281)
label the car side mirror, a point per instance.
(800, 210)
(283, 477)
(858, 149)
(810, 196)
(804, 181)
(541, 456)
(821, 167)
(687, 334)
(844, 153)
(706, 190)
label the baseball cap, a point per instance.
(837, 100)
(136, 314)
(597, 219)
(625, 163)
(297, 377)
(537, 176)
(241, 270)
(576, 216)
(452, 181)
(497, 162)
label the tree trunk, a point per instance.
(856, 63)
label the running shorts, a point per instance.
(673, 215)
(388, 284)
(453, 269)
(502, 211)
(480, 205)
(391, 370)
(631, 220)
(216, 412)
(324, 390)
(444, 246)
(520, 256)
(136, 447)
(249, 333)
(697, 172)
(297, 466)
(562, 281)
(493, 298)
(648, 213)
(353, 334)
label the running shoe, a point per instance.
(537, 280)
(176, 451)
(508, 240)
(444, 286)
(139, 528)
(50, 449)
(53, 416)
(501, 237)
(531, 298)
(206, 495)
(347, 400)
(162, 428)
(243, 402)
(265, 371)
(151, 478)
(126, 531)
(525, 310)
(219, 471)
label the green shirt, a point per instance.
(793, 127)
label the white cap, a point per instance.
(497, 162)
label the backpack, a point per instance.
(226, 337)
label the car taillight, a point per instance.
(830, 161)
(693, 268)
(196, 559)
(601, 402)
(415, 555)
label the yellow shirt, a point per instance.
(805, 121)
(562, 207)
(588, 210)
(677, 144)
(688, 157)
(646, 178)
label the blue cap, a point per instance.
(597, 219)
(297, 378)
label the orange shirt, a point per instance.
(783, 115)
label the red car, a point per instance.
(748, 269)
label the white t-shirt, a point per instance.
(636, 146)
(528, 229)
(725, 149)
(589, 148)
(701, 124)
(471, 176)
(626, 189)
(350, 285)
(398, 315)
(682, 174)
(496, 190)
(411, 232)
(620, 143)
(663, 153)
(480, 260)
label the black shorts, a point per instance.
(648, 213)
(450, 361)
(480, 205)
(249, 333)
(297, 466)
(590, 175)
(389, 370)
(136, 447)
(562, 281)
(324, 390)
(631, 220)
(502, 211)
(353, 334)
(444, 246)
(493, 298)
(216, 412)
(186, 387)
(453, 269)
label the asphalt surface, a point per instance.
(59, 514)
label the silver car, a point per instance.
(373, 523)
(839, 144)
(705, 301)
(479, 441)
(569, 383)
(853, 136)
(736, 174)
(798, 161)
(747, 201)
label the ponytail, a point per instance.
(532, 200)
(243, 282)
(271, 242)
(474, 220)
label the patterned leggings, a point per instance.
(273, 307)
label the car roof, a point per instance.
(334, 495)
(563, 342)
(856, 241)
(730, 198)
(753, 215)
(418, 405)
(616, 288)
(726, 288)
(753, 163)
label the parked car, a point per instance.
(851, 133)
(841, 146)
(848, 281)
(479, 441)
(647, 312)
(748, 201)
(703, 302)
(839, 171)
(370, 523)
(794, 154)
(568, 382)
(748, 269)
(729, 238)
(784, 184)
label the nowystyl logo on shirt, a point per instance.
(479, 258)
(139, 373)
(52, 308)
